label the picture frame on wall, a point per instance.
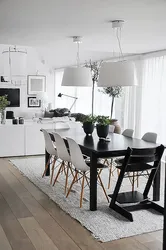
(36, 84)
(33, 102)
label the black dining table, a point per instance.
(95, 148)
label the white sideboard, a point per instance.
(12, 140)
(26, 139)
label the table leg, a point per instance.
(93, 183)
(156, 185)
(47, 155)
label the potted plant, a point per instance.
(88, 124)
(3, 104)
(102, 126)
(113, 92)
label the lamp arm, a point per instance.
(73, 103)
(70, 96)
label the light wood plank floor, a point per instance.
(29, 220)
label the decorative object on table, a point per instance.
(14, 64)
(33, 102)
(15, 121)
(89, 124)
(36, 84)
(43, 97)
(9, 114)
(117, 127)
(21, 120)
(95, 69)
(102, 126)
(75, 99)
(77, 76)
(3, 104)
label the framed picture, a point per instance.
(36, 84)
(33, 102)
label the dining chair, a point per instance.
(51, 149)
(64, 155)
(150, 137)
(128, 133)
(136, 160)
(82, 168)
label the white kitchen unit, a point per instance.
(12, 140)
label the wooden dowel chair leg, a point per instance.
(53, 167)
(59, 171)
(67, 174)
(82, 190)
(103, 187)
(74, 180)
(109, 178)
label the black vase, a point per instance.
(102, 130)
(88, 128)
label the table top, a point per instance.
(116, 146)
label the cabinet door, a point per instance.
(12, 140)
(34, 139)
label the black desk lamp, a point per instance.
(60, 95)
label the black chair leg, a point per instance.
(122, 211)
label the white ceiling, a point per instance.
(49, 24)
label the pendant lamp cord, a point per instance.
(118, 36)
(78, 54)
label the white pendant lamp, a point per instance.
(119, 73)
(116, 74)
(77, 76)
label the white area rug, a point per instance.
(105, 224)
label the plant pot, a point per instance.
(102, 130)
(117, 129)
(88, 128)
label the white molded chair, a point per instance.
(150, 137)
(81, 167)
(64, 155)
(51, 149)
(128, 132)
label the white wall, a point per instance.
(35, 65)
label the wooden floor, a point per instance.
(29, 221)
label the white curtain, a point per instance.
(144, 105)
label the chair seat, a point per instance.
(99, 164)
(133, 167)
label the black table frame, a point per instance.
(93, 172)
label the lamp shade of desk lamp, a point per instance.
(77, 77)
(116, 74)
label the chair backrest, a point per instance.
(61, 148)
(49, 143)
(128, 132)
(150, 137)
(76, 156)
(135, 158)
